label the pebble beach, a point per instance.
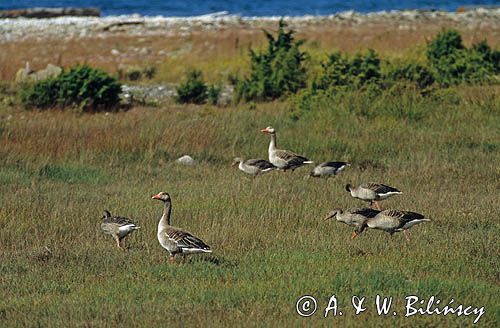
(20, 29)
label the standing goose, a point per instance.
(253, 166)
(391, 221)
(118, 227)
(353, 217)
(372, 192)
(175, 240)
(328, 169)
(283, 159)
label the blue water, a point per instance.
(243, 7)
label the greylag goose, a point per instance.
(253, 166)
(175, 240)
(372, 192)
(328, 169)
(353, 217)
(391, 221)
(118, 227)
(283, 159)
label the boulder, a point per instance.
(28, 75)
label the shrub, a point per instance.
(275, 72)
(417, 73)
(445, 44)
(339, 70)
(193, 89)
(456, 64)
(213, 94)
(82, 86)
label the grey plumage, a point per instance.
(118, 227)
(176, 240)
(372, 192)
(254, 166)
(328, 169)
(392, 221)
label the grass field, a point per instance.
(60, 170)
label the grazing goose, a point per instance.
(118, 227)
(353, 217)
(253, 166)
(283, 159)
(372, 192)
(391, 221)
(328, 169)
(175, 240)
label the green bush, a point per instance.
(213, 94)
(445, 44)
(82, 86)
(455, 64)
(193, 89)
(277, 71)
(416, 73)
(340, 70)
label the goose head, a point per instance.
(236, 161)
(107, 214)
(269, 130)
(333, 213)
(163, 196)
(360, 229)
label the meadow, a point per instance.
(59, 170)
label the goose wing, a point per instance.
(118, 220)
(401, 219)
(335, 165)
(366, 212)
(407, 217)
(186, 241)
(262, 164)
(291, 158)
(379, 188)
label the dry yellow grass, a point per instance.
(223, 51)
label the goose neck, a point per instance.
(272, 144)
(165, 218)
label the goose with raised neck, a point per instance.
(281, 158)
(176, 240)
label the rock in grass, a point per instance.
(28, 75)
(186, 160)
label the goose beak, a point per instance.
(155, 197)
(264, 130)
(328, 217)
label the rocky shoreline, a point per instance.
(22, 29)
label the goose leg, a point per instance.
(118, 242)
(354, 234)
(377, 205)
(171, 259)
(406, 235)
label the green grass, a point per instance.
(59, 171)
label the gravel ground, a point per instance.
(19, 29)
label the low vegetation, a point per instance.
(80, 87)
(194, 90)
(277, 71)
(393, 120)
